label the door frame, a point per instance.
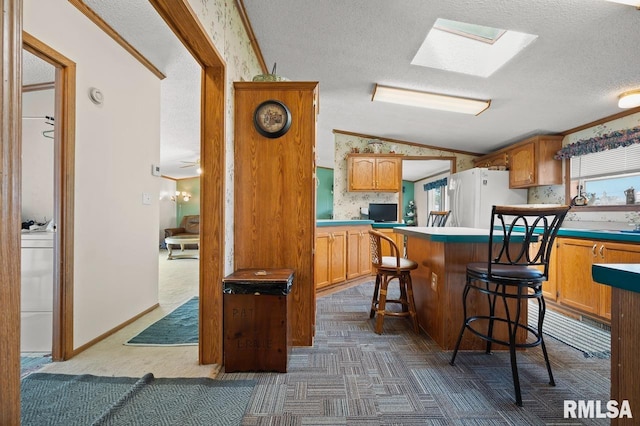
(10, 221)
(64, 176)
(187, 27)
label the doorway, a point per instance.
(61, 197)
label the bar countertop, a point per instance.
(625, 276)
(446, 234)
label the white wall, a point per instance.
(115, 235)
(37, 156)
(167, 207)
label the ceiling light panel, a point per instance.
(635, 3)
(451, 51)
(429, 100)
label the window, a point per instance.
(610, 177)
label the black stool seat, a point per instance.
(520, 244)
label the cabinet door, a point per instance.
(338, 257)
(365, 253)
(522, 168)
(353, 253)
(549, 287)
(388, 176)
(362, 173)
(397, 238)
(321, 262)
(577, 288)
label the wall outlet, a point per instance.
(434, 281)
(146, 198)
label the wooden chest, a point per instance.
(256, 326)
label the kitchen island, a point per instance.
(442, 255)
(624, 280)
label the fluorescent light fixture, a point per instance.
(629, 99)
(429, 100)
(456, 46)
(635, 3)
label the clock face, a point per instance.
(272, 119)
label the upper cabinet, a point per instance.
(530, 162)
(374, 172)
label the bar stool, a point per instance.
(438, 218)
(389, 268)
(520, 243)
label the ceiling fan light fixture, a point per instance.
(429, 100)
(630, 99)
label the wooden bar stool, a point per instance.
(437, 218)
(387, 269)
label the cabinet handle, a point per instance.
(602, 251)
(593, 250)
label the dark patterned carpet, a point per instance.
(352, 376)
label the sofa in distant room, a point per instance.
(189, 227)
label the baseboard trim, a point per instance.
(114, 330)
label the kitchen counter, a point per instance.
(447, 234)
(460, 234)
(592, 234)
(332, 222)
(387, 225)
(438, 283)
(624, 278)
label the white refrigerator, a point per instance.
(474, 192)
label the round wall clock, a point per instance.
(272, 119)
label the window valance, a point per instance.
(600, 143)
(435, 184)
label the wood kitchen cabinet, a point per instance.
(330, 256)
(371, 172)
(397, 238)
(497, 159)
(531, 162)
(549, 287)
(358, 252)
(576, 288)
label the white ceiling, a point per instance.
(585, 55)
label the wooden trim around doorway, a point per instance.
(10, 221)
(185, 24)
(65, 119)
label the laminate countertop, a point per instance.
(446, 234)
(461, 235)
(625, 276)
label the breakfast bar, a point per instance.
(624, 279)
(442, 255)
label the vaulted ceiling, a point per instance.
(584, 56)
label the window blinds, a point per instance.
(611, 162)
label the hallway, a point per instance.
(110, 357)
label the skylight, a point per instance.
(469, 48)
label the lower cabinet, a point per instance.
(342, 253)
(576, 288)
(397, 238)
(358, 253)
(330, 257)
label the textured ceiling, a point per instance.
(585, 55)
(36, 70)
